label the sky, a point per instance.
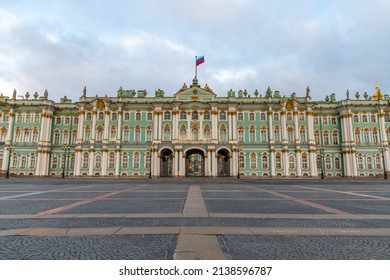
(64, 45)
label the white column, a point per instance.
(214, 159)
(104, 162)
(296, 125)
(175, 167)
(230, 126)
(310, 125)
(106, 125)
(234, 130)
(270, 127)
(214, 124)
(284, 126)
(188, 128)
(272, 162)
(156, 163)
(175, 122)
(160, 128)
(313, 163)
(117, 161)
(91, 162)
(285, 163)
(119, 130)
(155, 126)
(93, 131)
(298, 157)
(201, 127)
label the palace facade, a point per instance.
(195, 133)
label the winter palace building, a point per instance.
(195, 133)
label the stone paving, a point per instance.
(196, 218)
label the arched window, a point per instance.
(195, 115)
(183, 133)
(366, 135)
(304, 162)
(375, 137)
(111, 161)
(378, 162)
(147, 161)
(328, 163)
(276, 117)
(54, 162)
(240, 116)
(136, 160)
(222, 116)
(26, 136)
(35, 135)
(369, 162)
(335, 137)
(14, 160)
(277, 134)
(302, 134)
(278, 162)
(183, 115)
(148, 134)
(57, 137)
(65, 137)
(387, 117)
(149, 116)
(206, 115)
(3, 134)
(138, 116)
(263, 117)
(241, 134)
(85, 160)
(252, 116)
(74, 136)
(206, 132)
(17, 135)
(301, 117)
(36, 118)
(264, 134)
(357, 136)
(241, 161)
(19, 118)
(264, 162)
(137, 134)
(373, 118)
(364, 118)
(356, 118)
(388, 134)
(101, 116)
(167, 133)
(99, 134)
(113, 133)
(167, 115)
(114, 117)
(28, 118)
(252, 134)
(23, 162)
(337, 163)
(87, 134)
(319, 162)
(360, 162)
(315, 121)
(253, 161)
(291, 162)
(195, 133)
(222, 134)
(289, 116)
(98, 161)
(290, 134)
(333, 121)
(125, 161)
(325, 121)
(58, 121)
(326, 137)
(33, 161)
(88, 116)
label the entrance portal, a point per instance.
(166, 163)
(195, 163)
(223, 157)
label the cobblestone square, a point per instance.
(194, 219)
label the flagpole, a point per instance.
(196, 68)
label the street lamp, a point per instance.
(66, 148)
(239, 149)
(10, 149)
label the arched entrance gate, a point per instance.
(195, 163)
(166, 160)
(223, 163)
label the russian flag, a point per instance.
(199, 60)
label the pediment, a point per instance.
(195, 93)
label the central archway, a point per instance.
(166, 163)
(195, 163)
